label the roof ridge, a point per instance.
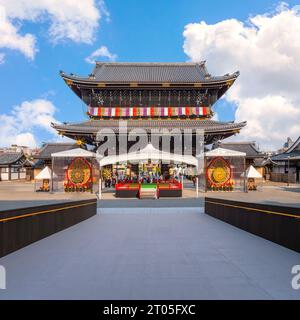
(189, 63)
(239, 142)
(59, 143)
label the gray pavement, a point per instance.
(152, 203)
(151, 253)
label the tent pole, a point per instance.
(52, 165)
(245, 185)
(182, 181)
(197, 187)
(100, 184)
(92, 163)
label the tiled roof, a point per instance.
(294, 155)
(93, 126)
(48, 148)
(10, 157)
(248, 147)
(294, 146)
(186, 72)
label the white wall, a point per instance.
(4, 176)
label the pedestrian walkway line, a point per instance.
(255, 209)
(46, 211)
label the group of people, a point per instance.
(148, 177)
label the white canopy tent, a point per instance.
(78, 152)
(221, 152)
(237, 163)
(251, 172)
(73, 153)
(46, 173)
(149, 152)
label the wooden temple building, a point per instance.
(149, 95)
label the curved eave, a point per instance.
(213, 81)
(76, 129)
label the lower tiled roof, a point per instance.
(92, 126)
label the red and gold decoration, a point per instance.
(79, 175)
(219, 175)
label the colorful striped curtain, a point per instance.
(148, 111)
(152, 111)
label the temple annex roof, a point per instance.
(248, 147)
(292, 153)
(49, 148)
(9, 158)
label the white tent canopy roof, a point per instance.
(149, 152)
(44, 174)
(251, 172)
(221, 152)
(78, 152)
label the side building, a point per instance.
(287, 168)
(15, 166)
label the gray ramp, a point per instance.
(154, 253)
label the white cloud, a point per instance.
(102, 52)
(271, 119)
(18, 126)
(11, 39)
(72, 20)
(266, 50)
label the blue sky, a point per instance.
(134, 31)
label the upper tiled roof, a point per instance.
(248, 147)
(49, 148)
(10, 157)
(186, 72)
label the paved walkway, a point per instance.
(151, 253)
